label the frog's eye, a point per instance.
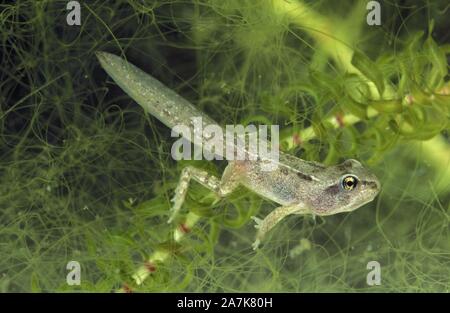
(349, 182)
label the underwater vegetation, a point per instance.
(87, 176)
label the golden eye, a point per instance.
(349, 182)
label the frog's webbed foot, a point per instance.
(258, 221)
(255, 244)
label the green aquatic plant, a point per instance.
(87, 176)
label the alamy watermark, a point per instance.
(74, 16)
(373, 278)
(374, 14)
(73, 278)
(239, 143)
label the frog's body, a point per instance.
(298, 181)
(299, 186)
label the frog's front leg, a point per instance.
(221, 187)
(273, 218)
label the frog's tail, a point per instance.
(173, 110)
(156, 99)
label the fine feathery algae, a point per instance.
(87, 176)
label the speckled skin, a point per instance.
(311, 185)
(299, 186)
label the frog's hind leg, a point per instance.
(221, 187)
(274, 218)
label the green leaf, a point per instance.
(318, 126)
(369, 69)
(414, 62)
(35, 286)
(387, 106)
(437, 57)
(393, 126)
(326, 83)
(413, 116)
(332, 155)
(355, 108)
(420, 97)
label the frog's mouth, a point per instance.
(372, 185)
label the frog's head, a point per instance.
(348, 186)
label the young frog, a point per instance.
(299, 186)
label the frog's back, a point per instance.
(287, 184)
